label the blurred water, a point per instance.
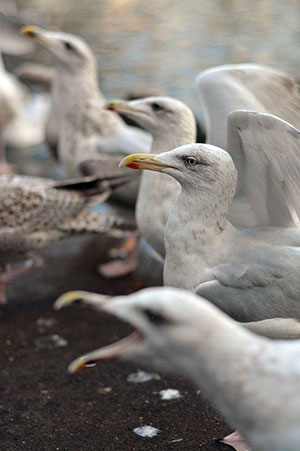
(165, 43)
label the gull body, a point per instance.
(171, 123)
(253, 381)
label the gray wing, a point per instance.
(262, 283)
(266, 151)
(277, 91)
(224, 89)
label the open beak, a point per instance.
(143, 161)
(36, 33)
(108, 352)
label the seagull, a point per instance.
(171, 124)
(252, 87)
(35, 212)
(16, 128)
(78, 120)
(253, 381)
(250, 274)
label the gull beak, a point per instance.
(108, 352)
(121, 106)
(143, 161)
(70, 297)
(36, 33)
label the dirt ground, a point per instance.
(42, 407)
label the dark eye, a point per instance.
(68, 46)
(190, 161)
(155, 318)
(156, 106)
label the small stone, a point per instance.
(51, 342)
(104, 390)
(45, 322)
(142, 376)
(169, 394)
(146, 431)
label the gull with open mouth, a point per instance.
(251, 380)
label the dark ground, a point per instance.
(42, 407)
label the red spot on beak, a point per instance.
(133, 165)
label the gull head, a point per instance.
(193, 165)
(161, 318)
(158, 115)
(69, 52)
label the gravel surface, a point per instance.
(42, 407)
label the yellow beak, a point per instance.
(143, 161)
(34, 33)
(119, 106)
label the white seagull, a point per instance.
(251, 274)
(253, 381)
(78, 120)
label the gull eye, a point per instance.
(154, 317)
(156, 106)
(68, 46)
(190, 161)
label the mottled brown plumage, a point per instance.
(35, 212)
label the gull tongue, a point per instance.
(108, 352)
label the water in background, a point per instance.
(165, 43)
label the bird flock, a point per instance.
(222, 217)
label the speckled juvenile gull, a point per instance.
(224, 89)
(77, 119)
(171, 124)
(35, 212)
(251, 380)
(251, 274)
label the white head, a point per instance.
(161, 116)
(70, 53)
(195, 166)
(166, 322)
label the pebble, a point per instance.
(45, 322)
(170, 393)
(51, 341)
(146, 431)
(142, 376)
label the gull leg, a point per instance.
(10, 274)
(126, 261)
(235, 441)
